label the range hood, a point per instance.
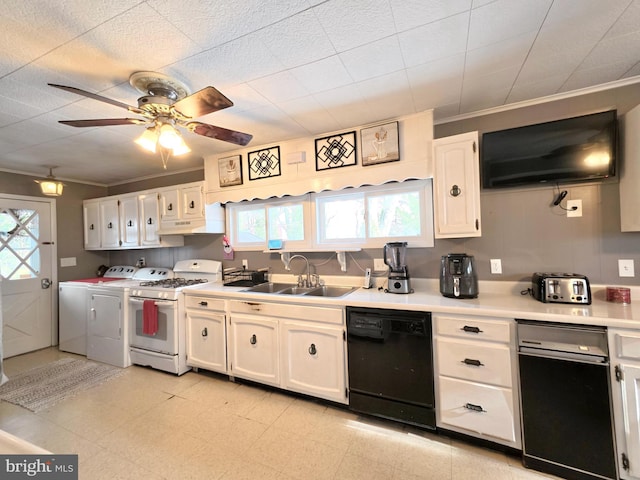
(213, 222)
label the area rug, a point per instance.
(42, 387)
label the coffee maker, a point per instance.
(458, 277)
(394, 257)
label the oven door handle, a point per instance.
(159, 303)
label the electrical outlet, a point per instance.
(245, 263)
(574, 212)
(496, 265)
(379, 265)
(625, 268)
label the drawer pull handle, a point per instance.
(253, 339)
(312, 349)
(204, 304)
(170, 207)
(469, 329)
(475, 363)
(474, 408)
(204, 332)
(254, 306)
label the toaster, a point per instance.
(561, 288)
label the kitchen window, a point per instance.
(365, 217)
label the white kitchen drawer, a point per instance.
(627, 345)
(474, 328)
(459, 358)
(287, 310)
(458, 398)
(204, 303)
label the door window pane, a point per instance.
(19, 246)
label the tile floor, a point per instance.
(152, 425)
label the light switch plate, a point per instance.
(496, 266)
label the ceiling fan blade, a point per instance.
(103, 122)
(202, 102)
(94, 96)
(219, 133)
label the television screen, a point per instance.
(569, 150)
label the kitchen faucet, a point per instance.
(306, 283)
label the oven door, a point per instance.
(165, 340)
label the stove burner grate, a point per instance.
(173, 282)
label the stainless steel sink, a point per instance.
(331, 291)
(270, 287)
(292, 289)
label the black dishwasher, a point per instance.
(391, 365)
(566, 400)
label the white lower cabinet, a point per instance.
(624, 351)
(313, 359)
(255, 349)
(476, 377)
(296, 347)
(206, 333)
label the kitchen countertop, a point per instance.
(496, 299)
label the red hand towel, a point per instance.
(149, 317)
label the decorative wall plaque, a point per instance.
(264, 163)
(230, 170)
(380, 144)
(336, 151)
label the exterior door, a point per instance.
(27, 256)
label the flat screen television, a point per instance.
(563, 151)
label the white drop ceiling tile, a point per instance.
(480, 3)
(436, 83)
(18, 110)
(309, 114)
(546, 86)
(244, 97)
(279, 87)
(446, 111)
(440, 39)
(272, 123)
(539, 67)
(581, 11)
(489, 99)
(325, 74)
(508, 53)
(388, 96)
(408, 14)
(487, 91)
(614, 50)
(605, 73)
(629, 21)
(347, 105)
(304, 32)
(503, 19)
(351, 23)
(374, 59)
(634, 71)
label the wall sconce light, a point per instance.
(50, 187)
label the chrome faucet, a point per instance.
(307, 282)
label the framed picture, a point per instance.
(336, 151)
(230, 170)
(380, 144)
(264, 163)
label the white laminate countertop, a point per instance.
(496, 299)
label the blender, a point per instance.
(394, 257)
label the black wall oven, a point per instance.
(391, 365)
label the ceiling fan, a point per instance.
(166, 103)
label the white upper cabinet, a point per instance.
(130, 235)
(149, 212)
(109, 223)
(630, 171)
(183, 210)
(457, 186)
(91, 213)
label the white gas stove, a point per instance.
(156, 315)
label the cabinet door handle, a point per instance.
(312, 349)
(150, 221)
(475, 363)
(130, 223)
(253, 340)
(455, 191)
(110, 225)
(204, 304)
(204, 332)
(254, 306)
(91, 227)
(474, 408)
(192, 204)
(170, 207)
(469, 329)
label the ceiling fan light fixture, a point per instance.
(169, 137)
(181, 149)
(148, 139)
(50, 187)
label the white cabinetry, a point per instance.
(183, 210)
(149, 214)
(296, 347)
(206, 333)
(109, 223)
(630, 171)
(476, 378)
(91, 217)
(457, 186)
(624, 351)
(129, 231)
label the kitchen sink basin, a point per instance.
(270, 287)
(289, 289)
(330, 291)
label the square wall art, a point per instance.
(336, 151)
(379, 144)
(264, 163)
